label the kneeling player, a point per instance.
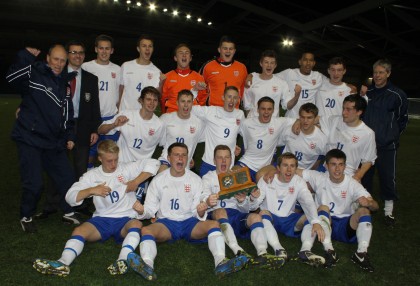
(338, 192)
(277, 201)
(233, 214)
(112, 187)
(174, 195)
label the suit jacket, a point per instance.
(89, 117)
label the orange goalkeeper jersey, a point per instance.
(176, 82)
(218, 76)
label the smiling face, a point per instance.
(222, 160)
(287, 169)
(104, 51)
(380, 76)
(57, 59)
(149, 102)
(350, 115)
(76, 56)
(178, 158)
(335, 167)
(183, 57)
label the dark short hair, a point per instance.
(226, 39)
(176, 144)
(184, 92)
(309, 108)
(286, 155)
(265, 99)
(149, 90)
(221, 147)
(337, 61)
(335, 153)
(268, 54)
(104, 38)
(75, 43)
(144, 37)
(359, 102)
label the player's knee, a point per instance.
(253, 218)
(361, 211)
(219, 213)
(324, 208)
(213, 224)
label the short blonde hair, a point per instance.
(108, 146)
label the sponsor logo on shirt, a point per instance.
(236, 73)
(192, 129)
(291, 190)
(275, 88)
(215, 72)
(149, 75)
(151, 131)
(113, 75)
(355, 139)
(187, 188)
(173, 80)
(238, 122)
(340, 93)
(193, 82)
(271, 130)
(343, 194)
(314, 82)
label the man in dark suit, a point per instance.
(85, 97)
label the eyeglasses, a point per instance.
(80, 53)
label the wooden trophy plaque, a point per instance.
(236, 181)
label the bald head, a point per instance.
(57, 58)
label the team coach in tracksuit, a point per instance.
(43, 128)
(387, 115)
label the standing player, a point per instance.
(277, 201)
(387, 115)
(349, 134)
(337, 192)
(333, 91)
(310, 143)
(111, 185)
(174, 198)
(138, 74)
(183, 127)
(265, 84)
(222, 126)
(108, 75)
(261, 136)
(304, 81)
(233, 214)
(182, 78)
(223, 72)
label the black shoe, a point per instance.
(331, 258)
(389, 220)
(362, 259)
(44, 214)
(28, 225)
(72, 218)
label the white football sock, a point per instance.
(74, 246)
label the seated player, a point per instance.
(277, 200)
(233, 214)
(174, 198)
(337, 193)
(112, 187)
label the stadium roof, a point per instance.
(360, 31)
